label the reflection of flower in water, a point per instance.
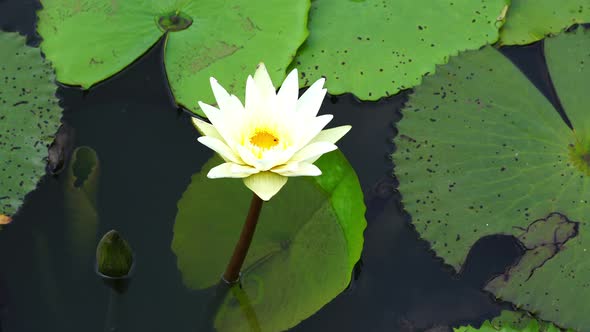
(272, 137)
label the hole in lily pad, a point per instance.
(176, 21)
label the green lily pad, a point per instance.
(510, 321)
(29, 117)
(481, 151)
(89, 41)
(308, 239)
(239, 297)
(530, 20)
(376, 48)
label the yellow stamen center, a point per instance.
(264, 139)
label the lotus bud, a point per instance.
(114, 256)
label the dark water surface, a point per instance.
(148, 151)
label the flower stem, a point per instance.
(232, 272)
(112, 309)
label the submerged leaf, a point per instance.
(80, 191)
(29, 117)
(530, 20)
(308, 239)
(510, 321)
(376, 48)
(89, 41)
(481, 151)
(532, 326)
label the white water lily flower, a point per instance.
(270, 138)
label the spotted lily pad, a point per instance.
(481, 151)
(29, 117)
(531, 20)
(375, 48)
(510, 321)
(308, 239)
(90, 40)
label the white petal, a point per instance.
(278, 157)
(310, 102)
(221, 122)
(253, 96)
(265, 184)
(234, 104)
(289, 167)
(263, 81)
(231, 170)
(270, 158)
(221, 148)
(331, 135)
(289, 92)
(206, 129)
(248, 157)
(208, 109)
(298, 169)
(313, 150)
(312, 129)
(221, 96)
(225, 101)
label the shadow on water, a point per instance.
(148, 151)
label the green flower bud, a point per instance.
(114, 255)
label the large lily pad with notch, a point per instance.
(530, 20)
(308, 239)
(481, 151)
(375, 48)
(29, 117)
(90, 40)
(510, 321)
